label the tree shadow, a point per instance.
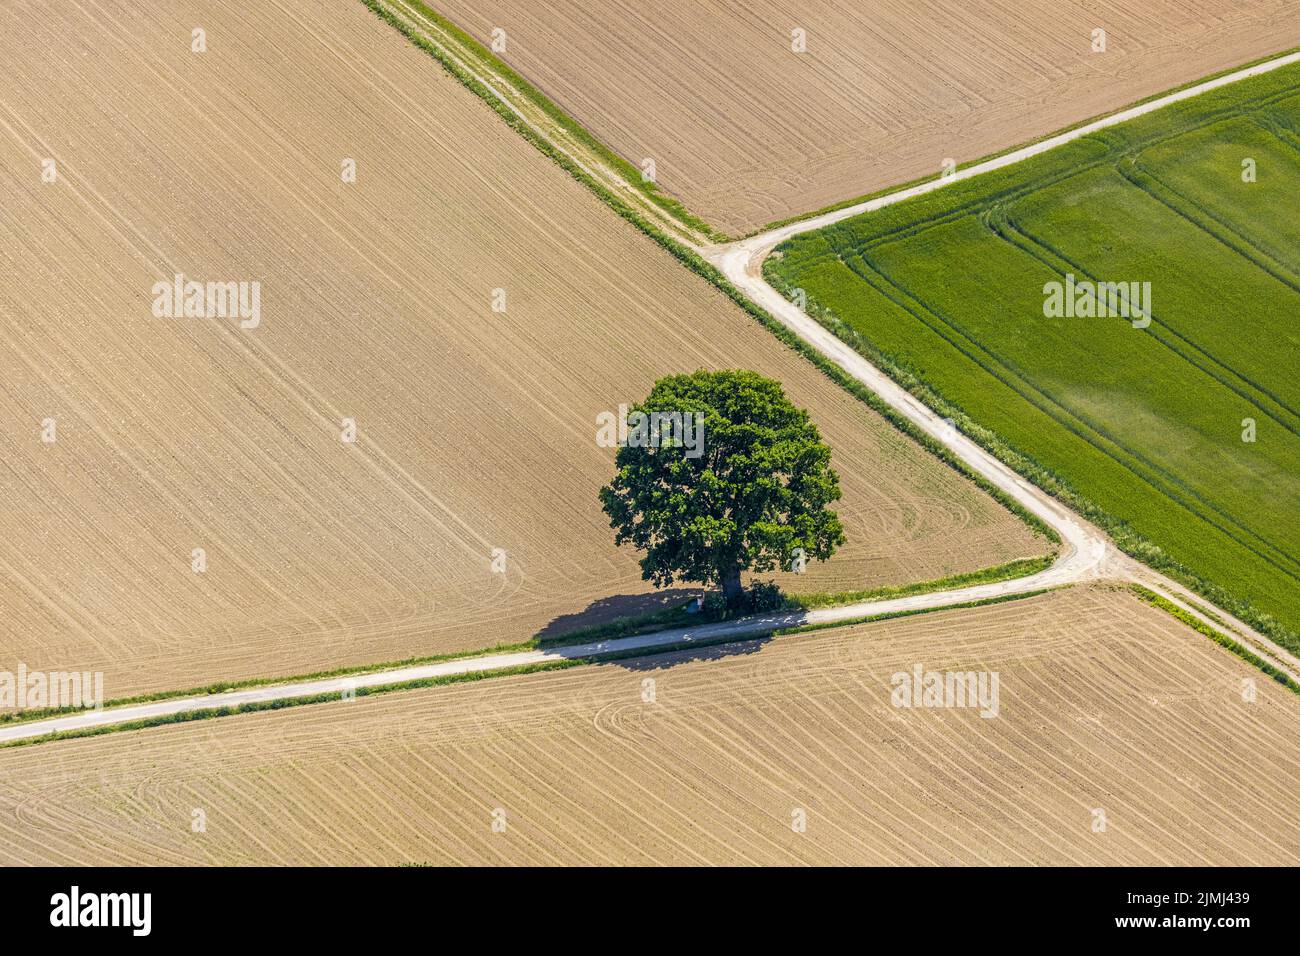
(652, 661)
(622, 606)
(690, 637)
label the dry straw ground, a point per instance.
(746, 132)
(1105, 704)
(476, 430)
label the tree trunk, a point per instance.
(731, 587)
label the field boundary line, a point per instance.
(1197, 623)
(541, 114)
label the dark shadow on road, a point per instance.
(655, 662)
(611, 609)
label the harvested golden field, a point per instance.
(180, 503)
(745, 131)
(1105, 706)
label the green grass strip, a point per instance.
(1223, 640)
(894, 615)
(1003, 572)
(208, 713)
(490, 63)
(623, 627)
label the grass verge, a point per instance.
(1223, 640)
(489, 63)
(894, 615)
(1003, 572)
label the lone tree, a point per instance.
(751, 496)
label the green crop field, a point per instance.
(1181, 432)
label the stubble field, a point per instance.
(746, 132)
(475, 429)
(1121, 738)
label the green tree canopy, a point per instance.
(751, 496)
